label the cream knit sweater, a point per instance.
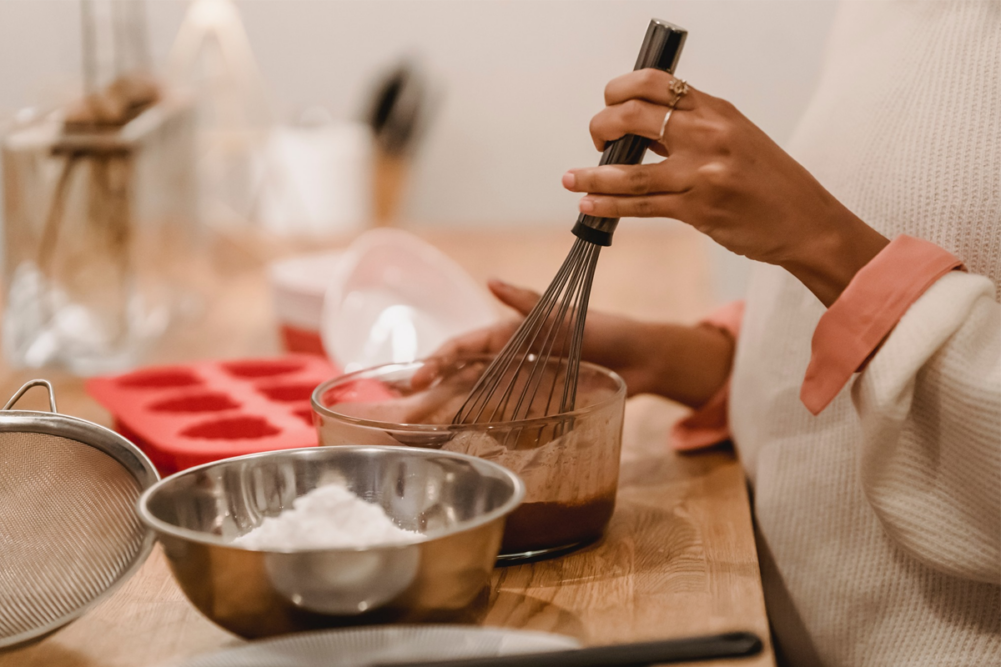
(879, 521)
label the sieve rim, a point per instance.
(57, 424)
(109, 443)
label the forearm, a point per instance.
(687, 364)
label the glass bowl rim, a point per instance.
(324, 411)
(158, 525)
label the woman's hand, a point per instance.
(726, 178)
(686, 364)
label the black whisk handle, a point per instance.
(661, 50)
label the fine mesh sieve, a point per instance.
(68, 525)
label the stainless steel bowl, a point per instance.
(458, 502)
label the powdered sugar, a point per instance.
(328, 517)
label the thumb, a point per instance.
(519, 298)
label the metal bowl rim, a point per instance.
(324, 411)
(162, 527)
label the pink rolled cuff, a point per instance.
(709, 424)
(860, 319)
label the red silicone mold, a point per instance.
(183, 416)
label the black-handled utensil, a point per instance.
(693, 649)
(397, 109)
(661, 50)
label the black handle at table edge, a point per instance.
(728, 645)
(661, 50)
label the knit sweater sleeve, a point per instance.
(929, 401)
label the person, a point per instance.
(860, 381)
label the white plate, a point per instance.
(397, 298)
(390, 643)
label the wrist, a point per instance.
(686, 364)
(654, 360)
(828, 261)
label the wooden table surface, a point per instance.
(679, 557)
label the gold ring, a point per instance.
(678, 89)
(663, 126)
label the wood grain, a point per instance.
(679, 557)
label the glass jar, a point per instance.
(569, 462)
(99, 230)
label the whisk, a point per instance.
(535, 374)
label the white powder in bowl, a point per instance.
(328, 517)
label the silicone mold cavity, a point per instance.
(161, 378)
(261, 368)
(206, 402)
(231, 428)
(289, 393)
(305, 414)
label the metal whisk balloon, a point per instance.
(535, 374)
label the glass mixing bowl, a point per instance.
(568, 462)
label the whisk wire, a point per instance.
(543, 316)
(542, 354)
(577, 339)
(557, 332)
(484, 388)
(580, 323)
(572, 313)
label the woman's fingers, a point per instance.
(481, 341)
(620, 179)
(630, 117)
(637, 103)
(651, 85)
(645, 206)
(646, 120)
(519, 298)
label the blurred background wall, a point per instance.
(514, 83)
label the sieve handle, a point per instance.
(661, 50)
(28, 385)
